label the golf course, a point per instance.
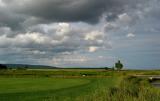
(79, 50)
(76, 85)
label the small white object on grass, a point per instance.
(83, 75)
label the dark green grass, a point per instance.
(12, 85)
(46, 89)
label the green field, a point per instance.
(56, 89)
(72, 85)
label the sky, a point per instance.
(81, 33)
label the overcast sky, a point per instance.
(80, 33)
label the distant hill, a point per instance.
(28, 66)
(14, 66)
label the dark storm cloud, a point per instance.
(65, 10)
(9, 18)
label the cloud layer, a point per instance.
(17, 13)
(41, 31)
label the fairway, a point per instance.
(49, 89)
(11, 85)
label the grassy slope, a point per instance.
(46, 89)
(93, 87)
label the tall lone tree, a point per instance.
(118, 65)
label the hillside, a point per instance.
(14, 66)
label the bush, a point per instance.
(3, 67)
(21, 68)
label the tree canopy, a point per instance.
(118, 65)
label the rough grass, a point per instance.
(130, 89)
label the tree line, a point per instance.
(3, 67)
(118, 66)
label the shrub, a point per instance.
(3, 67)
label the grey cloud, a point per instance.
(67, 11)
(10, 19)
(5, 31)
(48, 40)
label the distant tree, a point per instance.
(26, 67)
(21, 68)
(3, 67)
(118, 65)
(106, 68)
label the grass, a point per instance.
(71, 85)
(12, 85)
(54, 73)
(46, 89)
(129, 89)
(73, 72)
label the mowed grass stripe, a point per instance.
(15, 85)
(84, 86)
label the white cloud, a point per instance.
(41, 42)
(79, 35)
(31, 37)
(37, 52)
(25, 39)
(101, 57)
(93, 49)
(111, 26)
(124, 18)
(63, 28)
(2, 4)
(94, 35)
(130, 35)
(69, 59)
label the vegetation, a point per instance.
(71, 85)
(50, 89)
(129, 89)
(2, 67)
(21, 68)
(118, 65)
(15, 66)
